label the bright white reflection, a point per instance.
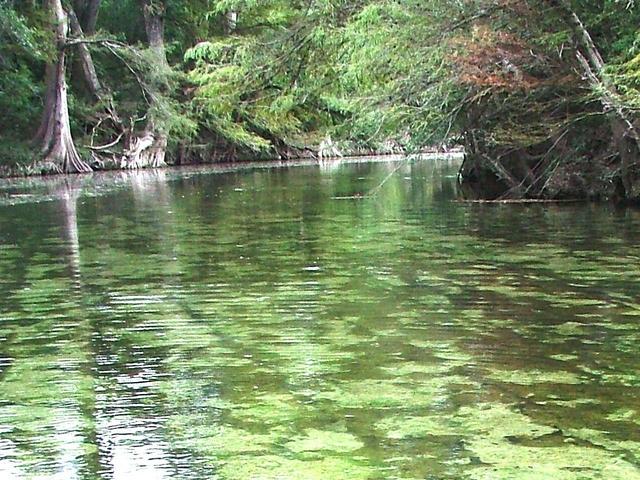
(144, 462)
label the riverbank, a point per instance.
(25, 189)
(313, 155)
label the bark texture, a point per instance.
(85, 61)
(87, 11)
(153, 11)
(54, 134)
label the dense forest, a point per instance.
(542, 94)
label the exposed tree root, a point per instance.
(146, 151)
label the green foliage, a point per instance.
(267, 83)
(273, 76)
(17, 35)
(19, 95)
(20, 49)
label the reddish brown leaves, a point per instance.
(488, 58)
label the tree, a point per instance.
(54, 134)
(623, 124)
(150, 148)
(543, 94)
(87, 11)
(525, 86)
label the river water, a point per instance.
(305, 323)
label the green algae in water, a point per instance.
(625, 415)
(571, 329)
(493, 434)
(269, 409)
(507, 461)
(223, 441)
(413, 368)
(607, 440)
(321, 440)
(275, 333)
(579, 402)
(533, 377)
(607, 377)
(491, 420)
(499, 421)
(494, 446)
(382, 394)
(399, 428)
(272, 467)
(450, 353)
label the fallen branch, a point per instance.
(109, 145)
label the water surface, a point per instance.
(256, 324)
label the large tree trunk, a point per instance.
(153, 11)
(87, 11)
(54, 134)
(87, 69)
(83, 17)
(149, 149)
(85, 61)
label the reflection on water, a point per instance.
(260, 324)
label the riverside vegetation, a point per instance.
(543, 94)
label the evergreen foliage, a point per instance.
(514, 81)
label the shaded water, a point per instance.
(249, 325)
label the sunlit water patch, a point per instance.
(288, 324)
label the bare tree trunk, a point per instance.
(54, 133)
(85, 60)
(149, 150)
(628, 150)
(83, 17)
(87, 68)
(87, 11)
(153, 11)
